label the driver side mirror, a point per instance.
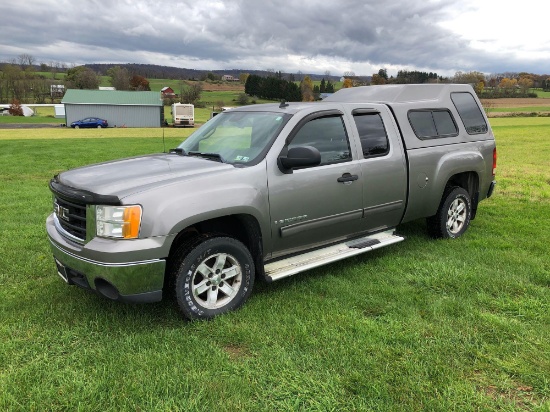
(296, 157)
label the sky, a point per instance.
(311, 36)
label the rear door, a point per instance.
(382, 166)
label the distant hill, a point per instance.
(152, 71)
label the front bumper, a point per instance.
(109, 267)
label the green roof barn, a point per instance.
(119, 108)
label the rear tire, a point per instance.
(212, 276)
(99, 126)
(453, 216)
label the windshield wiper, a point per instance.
(211, 156)
(178, 150)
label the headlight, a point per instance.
(118, 221)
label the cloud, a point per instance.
(310, 35)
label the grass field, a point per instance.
(541, 93)
(529, 109)
(459, 325)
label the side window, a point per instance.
(374, 139)
(469, 112)
(328, 135)
(430, 124)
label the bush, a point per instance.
(243, 99)
(168, 101)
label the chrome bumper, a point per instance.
(134, 281)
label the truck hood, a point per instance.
(127, 176)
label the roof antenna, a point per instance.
(283, 104)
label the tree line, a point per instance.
(23, 80)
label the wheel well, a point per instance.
(469, 181)
(466, 180)
(244, 228)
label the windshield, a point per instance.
(236, 137)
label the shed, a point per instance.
(119, 108)
(167, 92)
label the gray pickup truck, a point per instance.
(267, 191)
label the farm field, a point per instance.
(500, 107)
(421, 325)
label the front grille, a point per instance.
(71, 217)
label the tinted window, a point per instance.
(326, 134)
(423, 124)
(428, 124)
(469, 112)
(374, 140)
(444, 123)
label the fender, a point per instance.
(185, 203)
(430, 171)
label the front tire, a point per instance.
(77, 127)
(212, 276)
(453, 216)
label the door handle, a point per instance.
(347, 178)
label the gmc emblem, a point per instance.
(61, 212)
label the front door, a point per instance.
(321, 204)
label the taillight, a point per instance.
(494, 161)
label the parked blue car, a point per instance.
(89, 122)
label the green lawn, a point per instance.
(530, 109)
(459, 325)
(541, 93)
(29, 120)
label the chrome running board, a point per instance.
(290, 266)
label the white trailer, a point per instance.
(183, 114)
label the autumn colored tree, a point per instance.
(306, 88)
(347, 83)
(377, 79)
(243, 77)
(508, 85)
(15, 108)
(479, 88)
(525, 83)
(139, 83)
